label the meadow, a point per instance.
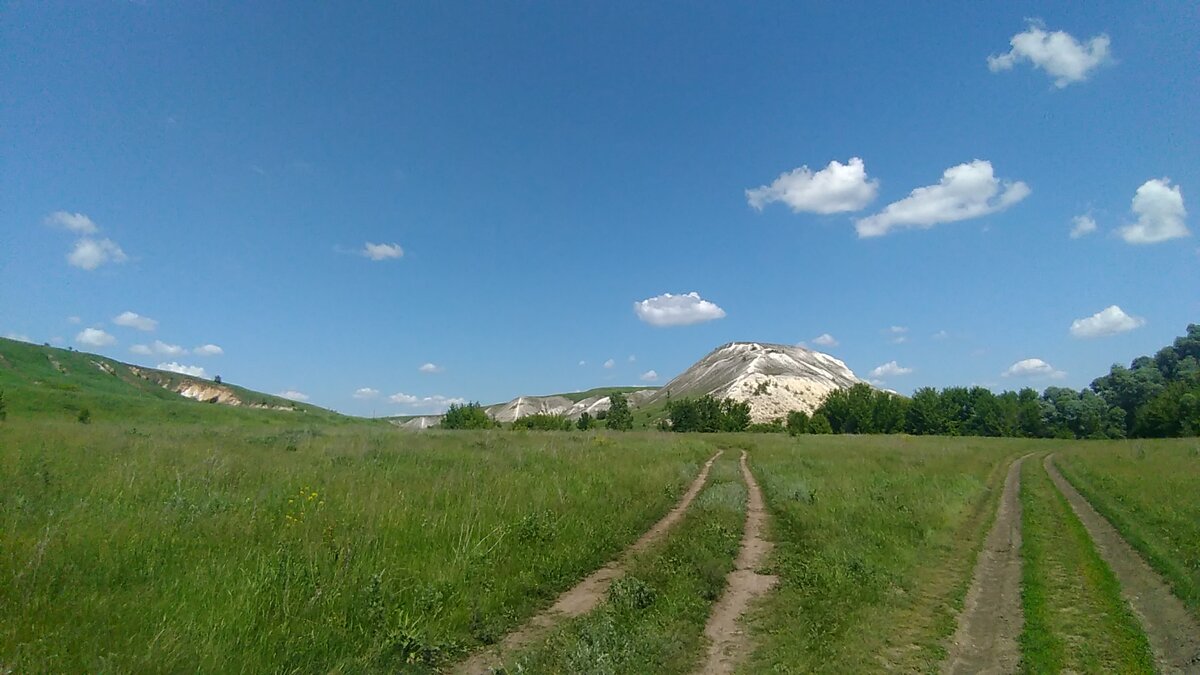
(247, 547)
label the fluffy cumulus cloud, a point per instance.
(430, 368)
(838, 188)
(94, 337)
(1082, 226)
(365, 393)
(1064, 58)
(649, 376)
(889, 369)
(194, 371)
(432, 404)
(382, 251)
(160, 348)
(89, 253)
(825, 340)
(293, 395)
(208, 350)
(1033, 368)
(1108, 321)
(610, 364)
(897, 334)
(1160, 212)
(677, 310)
(965, 191)
(75, 222)
(134, 320)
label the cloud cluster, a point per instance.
(649, 376)
(435, 403)
(1160, 212)
(208, 350)
(1081, 226)
(379, 252)
(365, 393)
(838, 188)
(135, 320)
(965, 191)
(293, 395)
(1108, 321)
(1064, 58)
(825, 340)
(160, 348)
(677, 310)
(430, 368)
(1033, 368)
(889, 369)
(194, 371)
(75, 222)
(94, 337)
(88, 253)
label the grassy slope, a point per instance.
(201, 547)
(1147, 490)
(50, 382)
(1075, 619)
(578, 396)
(654, 618)
(874, 542)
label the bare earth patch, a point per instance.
(1174, 635)
(992, 616)
(584, 596)
(728, 640)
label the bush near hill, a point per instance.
(467, 416)
(708, 415)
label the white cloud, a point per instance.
(583, 363)
(365, 393)
(1059, 54)
(94, 337)
(965, 191)
(825, 340)
(940, 335)
(889, 369)
(1081, 226)
(194, 371)
(1160, 212)
(1034, 368)
(292, 394)
(1108, 321)
(159, 347)
(897, 334)
(75, 222)
(133, 320)
(837, 188)
(632, 358)
(677, 310)
(649, 376)
(19, 337)
(610, 363)
(430, 368)
(144, 350)
(90, 253)
(433, 404)
(208, 350)
(382, 251)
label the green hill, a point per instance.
(47, 381)
(577, 396)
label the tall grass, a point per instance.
(172, 548)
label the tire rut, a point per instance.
(584, 596)
(992, 616)
(1173, 634)
(728, 641)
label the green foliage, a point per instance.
(3, 407)
(619, 416)
(543, 422)
(708, 415)
(84, 416)
(467, 416)
(797, 422)
(862, 409)
(819, 424)
(585, 421)
(775, 426)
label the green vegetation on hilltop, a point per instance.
(577, 396)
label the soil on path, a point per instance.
(1174, 635)
(584, 596)
(729, 643)
(992, 616)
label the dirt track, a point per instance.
(1174, 635)
(584, 596)
(992, 616)
(728, 642)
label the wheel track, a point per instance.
(992, 617)
(728, 641)
(584, 596)
(1173, 634)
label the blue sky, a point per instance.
(220, 169)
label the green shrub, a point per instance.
(467, 416)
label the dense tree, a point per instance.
(619, 417)
(708, 415)
(797, 422)
(467, 416)
(819, 424)
(585, 421)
